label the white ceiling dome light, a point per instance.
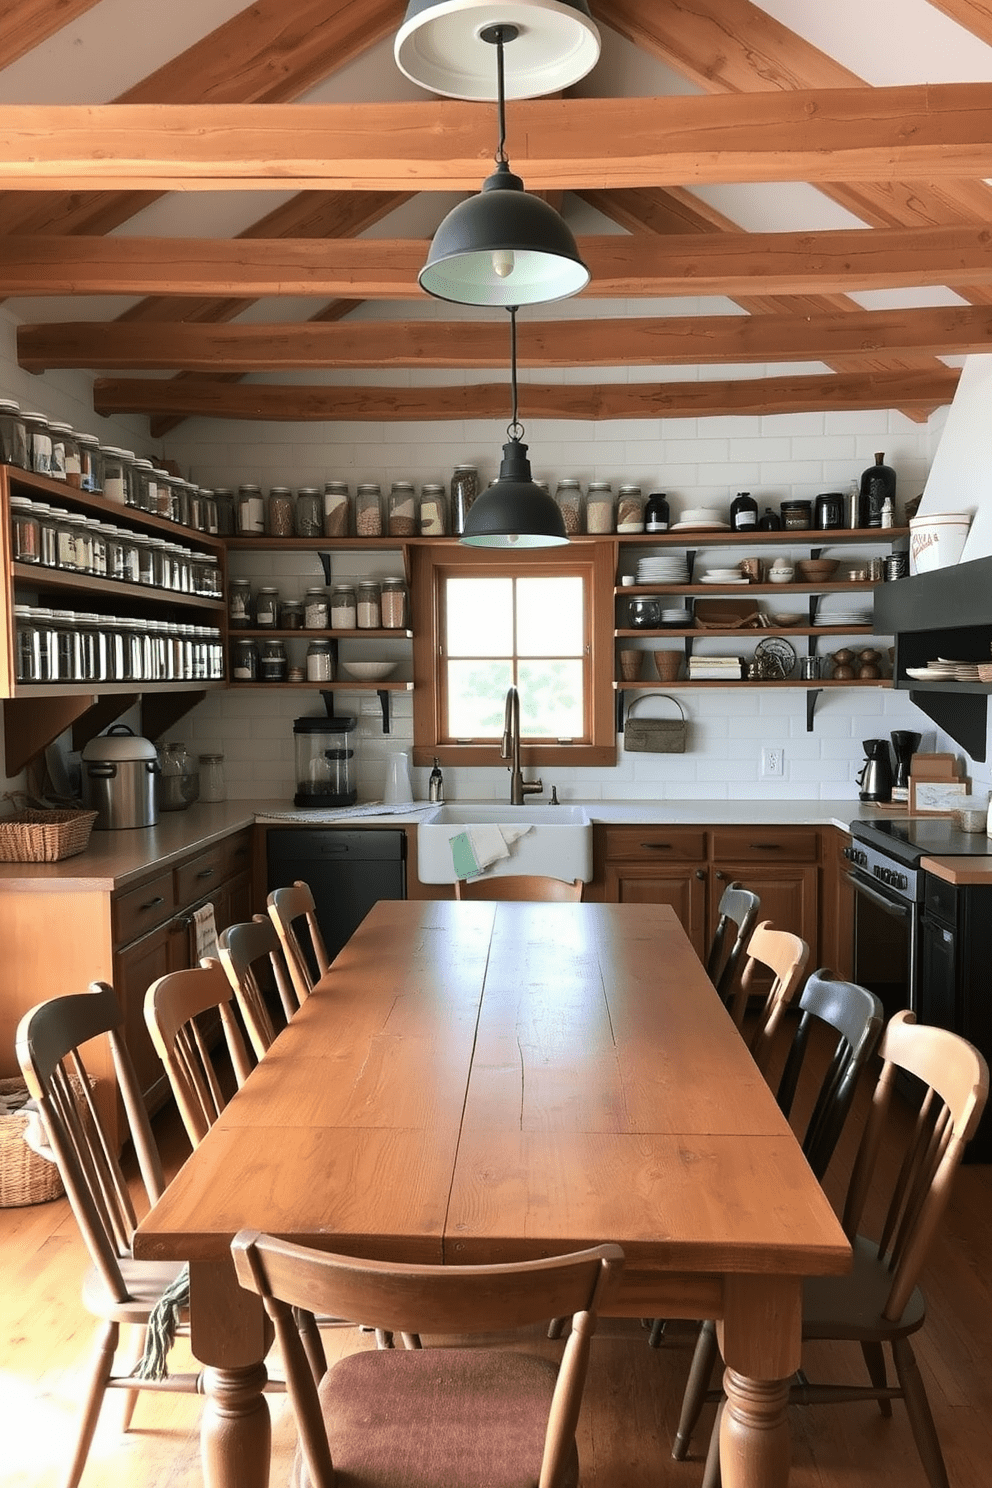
(440, 46)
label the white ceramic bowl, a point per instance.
(369, 671)
(701, 514)
(937, 541)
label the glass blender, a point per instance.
(323, 761)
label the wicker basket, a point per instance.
(31, 836)
(25, 1178)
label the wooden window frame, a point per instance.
(431, 564)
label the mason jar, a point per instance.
(369, 607)
(267, 607)
(320, 663)
(212, 786)
(368, 510)
(25, 531)
(599, 507)
(13, 436)
(403, 516)
(281, 512)
(344, 611)
(464, 489)
(90, 462)
(337, 509)
(250, 511)
(98, 547)
(49, 538)
(291, 614)
(433, 510)
(393, 604)
(65, 453)
(224, 498)
(239, 603)
(39, 443)
(115, 475)
(309, 512)
(272, 662)
(568, 498)
(630, 509)
(244, 660)
(316, 614)
(65, 540)
(27, 664)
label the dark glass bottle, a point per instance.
(877, 483)
(743, 512)
(656, 514)
(770, 522)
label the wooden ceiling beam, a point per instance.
(857, 134)
(762, 395)
(640, 265)
(25, 24)
(270, 52)
(627, 341)
(974, 15)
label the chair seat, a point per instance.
(851, 1306)
(438, 1418)
(145, 1282)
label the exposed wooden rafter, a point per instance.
(646, 342)
(293, 404)
(857, 134)
(974, 15)
(638, 266)
(25, 24)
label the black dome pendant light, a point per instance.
(503, 246)
(514, 512)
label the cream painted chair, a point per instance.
(294, 914)
(533, 887)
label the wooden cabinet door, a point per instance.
(135, 968)
(788, 894)
(682, 885)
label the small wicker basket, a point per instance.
(31, 836)
(25, 1178)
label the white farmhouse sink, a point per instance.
(558, 842)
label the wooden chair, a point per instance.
(785, 956)
(118, 1289)
(173, 1004)
(738, 913)
(523, 886)
(855, 1017)
(307, 962)
(252, 958)
(880, 1302)
(454, 1415)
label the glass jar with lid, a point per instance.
(273, 663)
(239, 609)
(49, 539)
(433, 510)
(212, 786)
(599, 507)
(281, 514)
(368, 510)
(267, 607)
(143, 485)
(316, 613)
(369, 606)
(244, 660)
(13, 436)
(568, 498)
(393, 604)
(250, 511)
(630, 509)
(81, 542)
(90, 462)
(115, 474)
(65, 539)
(344, 611)
(403, 517)
(160, 491)
(39, 443)
(337, 509)
(146, 559)
(27, 658)
(98, 546)
(320, 663)
(25, 531)
(464, 489)
(309, 512)
(224, 498)
(291, 614)
(65, 452)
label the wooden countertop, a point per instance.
(960, 870)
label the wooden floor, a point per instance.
(631, 1403)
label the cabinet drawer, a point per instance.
(655, 844)
(198, 875)
(765, 845)
(140, 910)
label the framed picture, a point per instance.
(941, 797)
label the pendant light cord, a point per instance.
(514, 428)
(501, 157)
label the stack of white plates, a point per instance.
(724, 576)
(826, 616)
(670, 569)
(943, 670)
(681, 618)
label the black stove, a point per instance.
(888, 851)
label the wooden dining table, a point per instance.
(481, 1082)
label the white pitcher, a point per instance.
(398, 787)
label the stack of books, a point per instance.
(715, 668)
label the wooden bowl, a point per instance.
(817, 570)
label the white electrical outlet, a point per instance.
(772, 763)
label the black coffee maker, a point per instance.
(875, 778)
(905, 744)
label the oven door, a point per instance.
(886, 940)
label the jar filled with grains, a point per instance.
(599, 507)
(403, 520)
(280, 517)
(368, 510)
(344, 612)
(316, 615)
(320, 664)
(630, 509)
(369, 607)
(569, 499)
(337, 514)
(25, 531)
(267, 607)
(464, 489)
(393, 604)
(433, 510)
(309, 512)
(291, 614)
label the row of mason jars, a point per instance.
(72, 646)
(53, 537)
(371, 604)
(267, 661)
(310, 512)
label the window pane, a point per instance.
(477, 698)
(479, 617)
(551, 699)
(549, 616)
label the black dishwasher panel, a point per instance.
(347, 871)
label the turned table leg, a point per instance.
(754, 1432)
(230, 1335)
(760, 1339)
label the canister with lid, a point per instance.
(65, 453)
(369, 606)
(344, 610)
(272, 662)
(337, 509)
(212, 786)
(829, 511)
(250, 511)
(13, 436)
(433, 510)
(568, 497)
(464, 489)
(267, 607)
(281, 512)
(323, 761)
(25, 531)
(309, 512)
(239, 603)
(163, 491)
(291, 614)
(393, 604)
(630, 509)
(599, 507)
(115, 474)
(797, 516)
(316, 613)
(368, 510)
(244, 660)
(143, 482)
(90, 463)
(224, 499)
(39, 443)
(403, 519)
(320, 664)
